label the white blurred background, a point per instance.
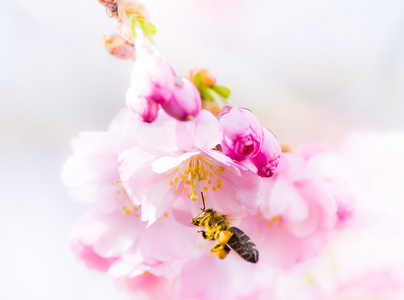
(311, 71)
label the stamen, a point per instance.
(191, 172)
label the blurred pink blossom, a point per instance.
(299, 212)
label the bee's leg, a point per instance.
(221, 250)
(203, 234)
(224, 237)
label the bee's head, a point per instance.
(200, 219)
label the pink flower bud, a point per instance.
(242, 134)
(267, 159)
(118, 47)
(145, 108)
(185, 101)
(152, 76)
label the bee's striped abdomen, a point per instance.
(242, 244)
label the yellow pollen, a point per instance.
(123, 188)
(189, 196)
(175, 179)
(194, 192)
(205, 188)
(206, 172)
(127, 211)
(165, 215)
(214, 188)
(194, 197)
(210, 166)
(221, 169)
(137, 216)
(309, 279)
(182, 180)
(211, 174)
(117, 181)
(276, 219)
(135, 208)
(219, 186)
(192, 170)
(204, 178)
(177, 169)
(269, 224)
(188, 182)
(219, 181)
(182, 175)
(215, 172)
(187, 170)
(176, 191)
(168, 174)
(185, 190)
(145, 273)
(209, 181)
(171, 182)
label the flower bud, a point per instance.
(185, 101)
(152, 76)
(242, 134)
(207, 79)
(267, 159)
(128, 8)
(145, 108)
(109, 4)
(211, 106)
(118, 47)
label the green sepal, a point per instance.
(222, 91)
(134, 23)
(148, 28)
(198, 80)
(206, 94)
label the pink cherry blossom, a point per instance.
(267, 160)
(146, 109)
(91, 174)
(242, 134)
(299, 212)
(120, 244)
(185, 101)
(152, 77)
(173, 162)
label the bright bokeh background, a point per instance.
(310, 70)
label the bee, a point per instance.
(217, 227)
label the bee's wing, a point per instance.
(235, 218)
